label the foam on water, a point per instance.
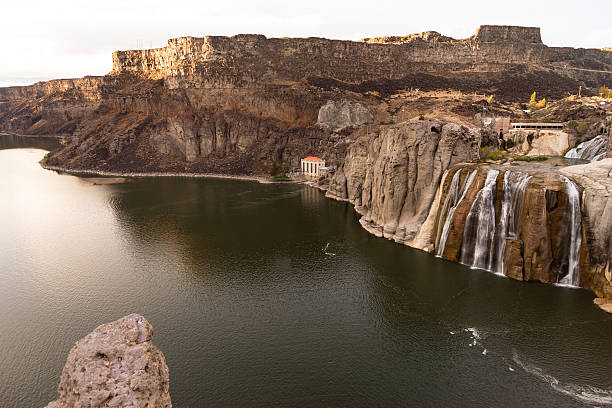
(583, 393)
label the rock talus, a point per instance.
(116, 365)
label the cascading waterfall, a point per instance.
(591, 150)
(477, 249)
(453, 199)
(511, 210)
(485, 233)
(573, 274)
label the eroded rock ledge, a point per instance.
(419, 183)
(116, 365)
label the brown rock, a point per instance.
(596, 180)
(513, 259)
(392, 177)
(116, 365)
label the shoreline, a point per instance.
(5, 133)
(105, 173)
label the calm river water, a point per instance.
(251, 312)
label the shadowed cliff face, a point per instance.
(529, 221)
(246, 104)
(392, 177)
(131, 124)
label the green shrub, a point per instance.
(582, 128)
(421, 117)
(51, 161)
(530, 158)
(495, 155)
(572, 124)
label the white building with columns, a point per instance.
(311, 166)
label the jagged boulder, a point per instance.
(116, 365)
(338, 115)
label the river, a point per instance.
(250, 311)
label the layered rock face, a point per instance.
(413, 183)
(339, 115)
(521, 221)
(596, 181)
(116, 365)
(247, 104)
(391, 177)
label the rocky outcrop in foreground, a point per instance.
(116, 365)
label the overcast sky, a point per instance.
(48, 39)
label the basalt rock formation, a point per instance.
(413, 183)
(116, 365)
(595, 179)
(252, 105)
(391, 177)
(248, 104)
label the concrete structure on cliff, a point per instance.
(311, 166)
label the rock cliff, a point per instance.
(116, 365)
(391, 176)
(249, 104)
(413, 183)
(253, 105)
(595, 179)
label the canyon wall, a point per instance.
(413, 183)
(250, 105)
(352, 61)
(391, 177)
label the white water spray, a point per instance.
(573, 274)
(477, 249)
(455, 200)
(511, 211)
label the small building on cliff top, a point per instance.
(311, 166)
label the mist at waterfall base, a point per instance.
(251, 312)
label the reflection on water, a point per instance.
(250, 311)
(10, 141)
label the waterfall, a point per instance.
(511, 210)
(453, 199)
(591, 150)
(573, 274)
(477, 249)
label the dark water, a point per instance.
(250, 312)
